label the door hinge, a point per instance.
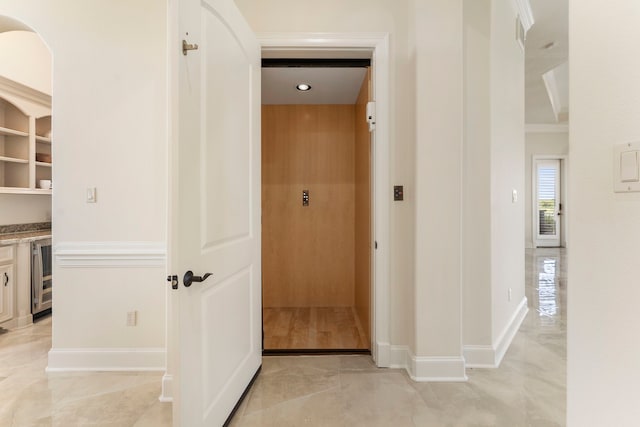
(186, 47)
(174, 281)
(375, 244)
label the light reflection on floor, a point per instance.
(547, 270)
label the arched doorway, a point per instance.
(25, 173)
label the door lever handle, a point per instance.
(189, 278)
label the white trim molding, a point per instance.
(510, 330)
(106, 359)
(524, 12)
(167, 388)
(429, 368)
(546, 128)
(110, 254)
(14, 88)
(490, 356)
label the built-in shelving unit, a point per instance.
(25, 135)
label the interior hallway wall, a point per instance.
(603, 293)
(554, 143)
(476, 228)
(508, 302)
(493, 220)
(109, 116)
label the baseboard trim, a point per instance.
(382, 354)
(490, 356)
(428, 369)
(479, 356)
(167, 389)
(110, 254)
(106, 359)
(505, 338)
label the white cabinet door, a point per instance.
(218, 211)
(6, 293)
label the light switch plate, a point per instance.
(91, 194)
(514, 196)
(626, 167)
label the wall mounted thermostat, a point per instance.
(626, 167)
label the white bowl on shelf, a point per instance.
(45, 184)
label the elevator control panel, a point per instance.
(305, 197)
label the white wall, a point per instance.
(26, 59)
(438, 181)
(109, 121)
(603, 346)
(493, 254)
(536, 144)
(476, 231)
(507, 169)
(24, 208)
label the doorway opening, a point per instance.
(549, 202)
(316, 205)
(25, 174)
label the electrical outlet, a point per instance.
(509, 295)
(132, 318)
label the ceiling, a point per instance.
(328, 85)
(546, 72)
(551, 26)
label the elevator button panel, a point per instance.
(305, 197)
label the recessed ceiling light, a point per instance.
(303, 87)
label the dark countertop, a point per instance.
(24, 237)
(23, 233)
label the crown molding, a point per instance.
(524, 12)
(26, 92)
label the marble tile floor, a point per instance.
(527, 390)
(31, 397)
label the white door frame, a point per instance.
(564, 167)
(378, 44)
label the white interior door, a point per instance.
(547, 203)
(218, 208)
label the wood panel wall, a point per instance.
(308, 252)
(362, 243)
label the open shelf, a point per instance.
(24, 134)
(23, 190)
(12, 132)
(13, 160)
(43, 139)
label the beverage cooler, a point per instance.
(41, 281)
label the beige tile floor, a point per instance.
(527, 390)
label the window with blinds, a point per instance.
(547, 177)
